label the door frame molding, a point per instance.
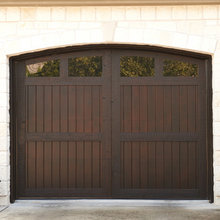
(13, 60)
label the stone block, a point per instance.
(103, 14)
(216, 114)
(179, 13)
(210, 11)
(217, 173)
(164, 13)
(96, 36)
(4, 188)
(73, 13)
(179, 40)
(133, 13)
(136, 35)
(4, 173)
(4, 200)
(28, 14)
(13, 14)
(4, 158)
(58, 14)
(217, 188)
(194, 43)
(148, 13)
(194, 12)
(88, 14)
(4, 143)
(82, 36)
(3, 14)
(4, 115)
(4, 97)
(217, 158)
(216, 128)
(121, 35)
(216, 99)
(4, 85)
(209, 45)
(7, 29)
(43, 14)
(118, 13)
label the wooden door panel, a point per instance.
(159, 165)
(67, 151)
(136, 133)
(159, 130)
(158, 109)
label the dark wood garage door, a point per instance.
(111, 123)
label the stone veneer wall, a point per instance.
(29, 29)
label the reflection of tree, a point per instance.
(178, 68)
(136, 66)
(85, 66)
(49, 69)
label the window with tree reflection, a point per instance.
(134, 66)
(179, 68)
(85, 66)
(43, 69)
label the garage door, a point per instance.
(111, 123)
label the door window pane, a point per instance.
(133, 66)
(179, 68)
(85, 66)
(43, 69)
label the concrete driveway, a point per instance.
(109, 209)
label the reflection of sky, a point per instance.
(33, 68)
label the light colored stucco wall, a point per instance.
(193, 28)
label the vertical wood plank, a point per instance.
(72, 165)
(56, 109)
(122, 165)
(40, 108)
(183, 109)
(127, 108)
(144, 161)
(191, 109)
(31, 158)
(135, 109)
(175, 165)
(175, 109)
(96, 114)
(167, 109)
(31, 113)
(64, 159)
(80, 108)
(128, 164)
(159, 108)
(47, 165)
(96, 164)
(143, 108)
(135, 165)
(40, 165)
(72, 109)
(183, 165)
(192, 155)
(151, 110)
(122, 109)
(88, 109)
(159, 165)
(152, 164)
(56, 165)
(167, 165)
(80, 164)
(64, 108)
(47, 109)
(88, 164)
